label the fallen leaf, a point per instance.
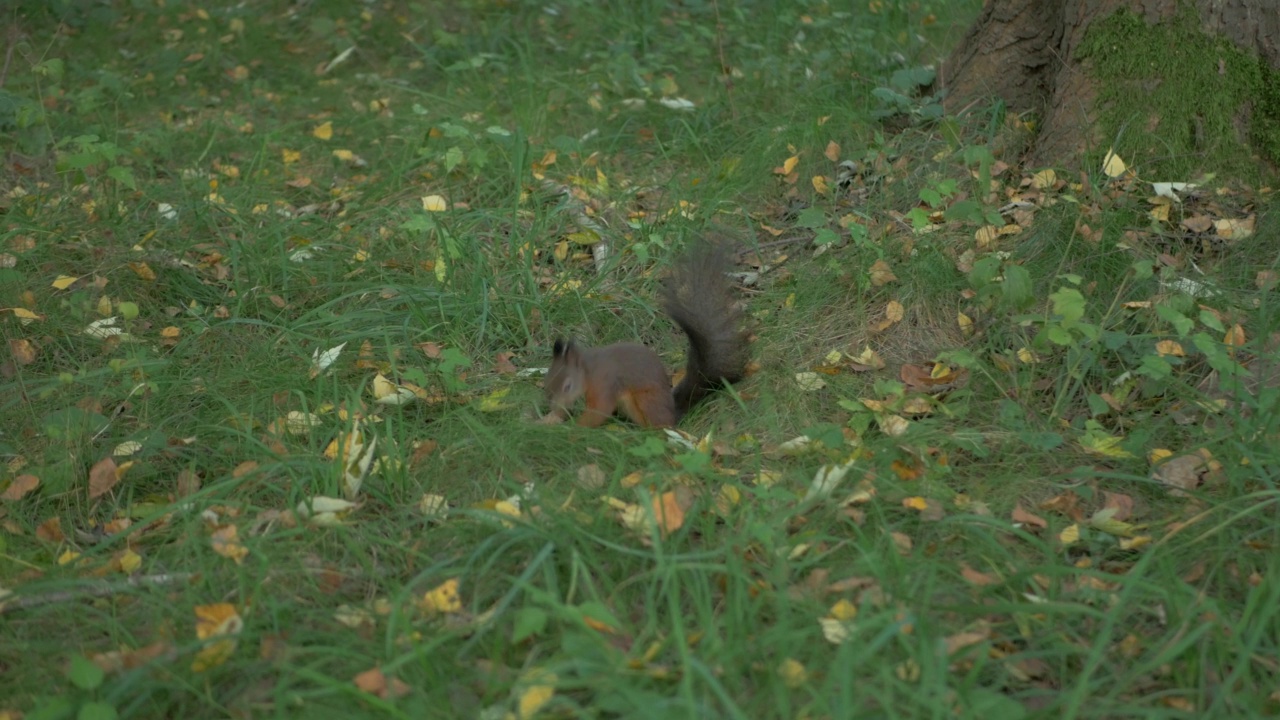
(323, 131)
(227, 545)
(1020, 515)
(24, 353)
(20, 486)
(444, 598)
(973, 577)
(1112, 165)
(216, 621)
(102, 477)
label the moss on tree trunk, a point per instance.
(1175, 86)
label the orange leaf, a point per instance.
(102, 477)
(1026, 518)
(20, 486)
(668, 513)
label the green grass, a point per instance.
(273, 256)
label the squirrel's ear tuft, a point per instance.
(561, 347)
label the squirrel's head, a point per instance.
(565, 377)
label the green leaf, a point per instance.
(1017, 286)
(1181, 323)
(931, 197)
(96, 711)
(128, 310)
(652, 447)
(824, 236)
(968, 210)
(828, 434)
(83, 673)
(1042, 441)
(1154, 367)
(57, 708)
(122, 175)
(693, 462)
(1211, 321)
(529, 621)
(1069, 304)
(812, 218)
(453, 157)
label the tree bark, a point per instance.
(1027, 52)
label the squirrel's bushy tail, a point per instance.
(699, 298)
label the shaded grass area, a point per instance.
(190, 191)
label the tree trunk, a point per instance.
(1030, 54)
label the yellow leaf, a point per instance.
(444, 598)
(1112, 165)
(1044, 179)
(25, 315)
(793, 673)
(493, 402)
(130, 561)
(344, 155)
(216, 621)
(539, 688)
(790, 164)
(1069, 534)
(434, 203)
(844, 610)
(915, 503)
(820, 184)
(64, 281)
(290, 156)
(1169, 347)
(68, 556)
(323, 132)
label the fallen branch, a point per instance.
(96, 589)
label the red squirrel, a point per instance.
(631, 378)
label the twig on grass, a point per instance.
(101, 588)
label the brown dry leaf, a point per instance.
(226, 544)
(1198, 223)
(882, 274)
(371, 681)
(24, 353)
(102, 477)
(960, 641)
(114, 661)
(1235, 228)
(244, 468)
(1068, 504)
(188, 483)
(832, 152)
(901, 542)
(422, 450)
(51, 530)
(1235, 336)
(1169, 347)
(20, 486)
(502, 363)
(1182, 473)
(981, 579)
(668, 512)
(1020, 515)
(1122, 503)
(431, 349)
(591, 477)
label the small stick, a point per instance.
(94, 590)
